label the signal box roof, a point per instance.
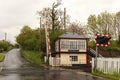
(70, 35)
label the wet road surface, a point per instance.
(16, 68)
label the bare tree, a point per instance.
(55, 16)
(76, 28)
(104, 23)
(118, 24)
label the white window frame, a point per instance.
(73, 45)
(73, 58)
(82, 44)
(64, 44)
(57, 46)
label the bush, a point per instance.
(91, 43)
(1, 50)
(5, 46)
(2, 57)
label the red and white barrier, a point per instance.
(48, 46)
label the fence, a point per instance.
(54, 61)
(107, 65)
(57, 62)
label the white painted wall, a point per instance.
(65, 59)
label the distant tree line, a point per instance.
(105, 23)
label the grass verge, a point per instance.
(111, 76)
(2, 57)
(33, 56)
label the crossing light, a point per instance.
(102, 40)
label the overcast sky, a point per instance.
(14, 14)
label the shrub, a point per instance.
(5, 46)
(2, 57)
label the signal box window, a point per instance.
(73, 58)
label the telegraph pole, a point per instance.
(40, 34)
(65, 19)
(40, 22)
(5, 36)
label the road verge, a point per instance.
(2, 57)
(33, 57)
(111, 76)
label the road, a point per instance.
(17, 68)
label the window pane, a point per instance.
(73, 45)
(64, 44)
(73, 58)
(56, 44)
(81, 45)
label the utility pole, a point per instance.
(40, 22)
(5, 36)
(40, 34)
(65, 19)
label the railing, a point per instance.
(94, 52)
(107, 65)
